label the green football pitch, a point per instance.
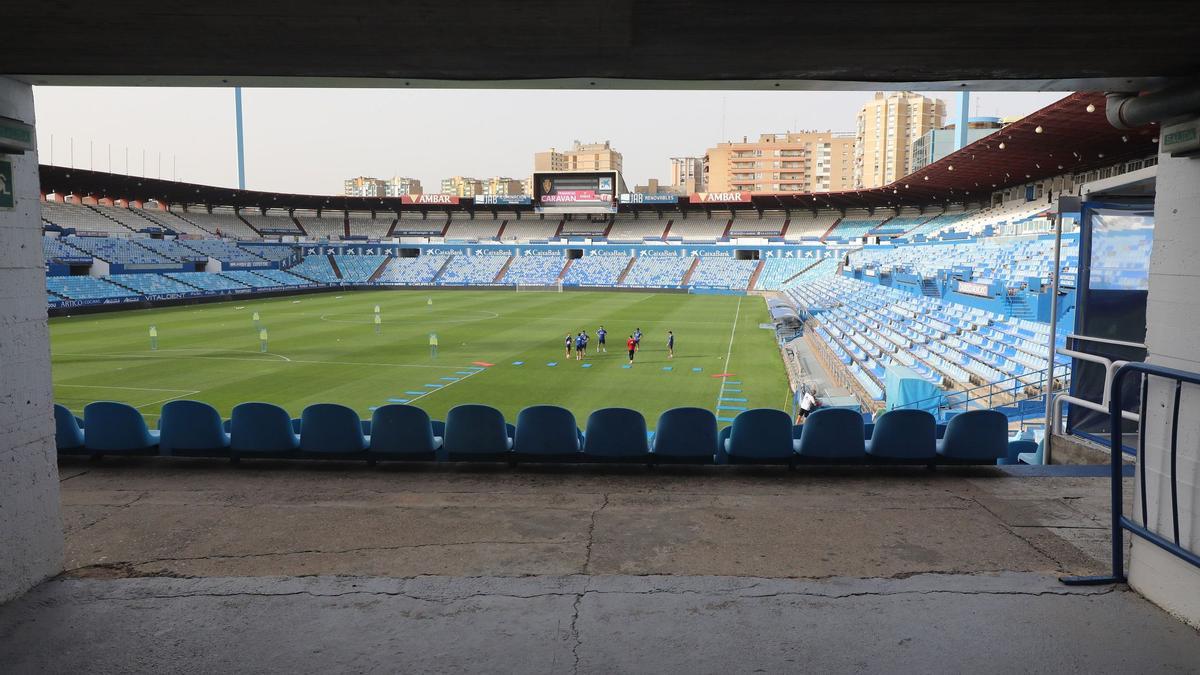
(325, 348)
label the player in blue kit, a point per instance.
(567, 346)
(579, 346)
(637, 338)
(601, 334)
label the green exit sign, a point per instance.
(16, 137)
(1181, 139)
(7, 189)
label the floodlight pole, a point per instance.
(964, 109)
(241, 147)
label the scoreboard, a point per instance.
(576, 191)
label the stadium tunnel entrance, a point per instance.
(29, 488)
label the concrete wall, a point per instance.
(31, 535)
(1173, 338)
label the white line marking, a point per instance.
(132, 355)
(169, 398)
(109, 386)
(732, 333)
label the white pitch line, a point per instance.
(133, 355)
(732, 333)
(109, 386)
(169, 398)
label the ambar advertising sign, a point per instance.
(429, 199)
(719, 197)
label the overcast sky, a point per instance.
(310, 140)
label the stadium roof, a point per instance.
(1072, 140)
(984, 44)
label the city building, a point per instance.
(803, 161)
(503, 186)
(398, 186)
(886, 128)
(462, 186)
(938, 143)
(581, 157)
(364, 186)
(687, 175)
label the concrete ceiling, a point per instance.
(936, 44)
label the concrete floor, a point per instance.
(199, 566)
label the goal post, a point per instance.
(556, 287)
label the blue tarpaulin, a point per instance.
(904, 387)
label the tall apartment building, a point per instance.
(803, 161)
(462, 186)
(398, 186)
(581, 157)
(687, 175)
(503, 186)
(887, 126)
(364, 186)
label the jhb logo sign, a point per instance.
(429, 199)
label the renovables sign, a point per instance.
(719, 197)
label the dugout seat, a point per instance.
(546, 433)
(262, 430)
(975, 437)
(117, 429)
(831, 436)
(477, 433)
(904, 436)
(759, 436)
(402, 432)
(685, 436)
(332, 431)
(616, 435)
(68, 432)
(192, 429)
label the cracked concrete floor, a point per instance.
(201, 567)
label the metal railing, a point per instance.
(1120, 522)
(1054, 421)
(1011, 387)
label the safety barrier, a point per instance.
(1121, 522)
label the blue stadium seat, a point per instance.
(192, 429)
(904, 436)
(331, 431)
(760, 436)
(616, 435)
(832, 435)
(477, 433)
(403, 432)
(68, 432)
(117, 429)
(546, 433)
(1016, 449)
(685, 436)
(262, 430)
(975, 437)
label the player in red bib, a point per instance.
(631, 345)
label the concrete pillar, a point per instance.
(31, 534)
(1173, 339)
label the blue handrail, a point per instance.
(1120, 522)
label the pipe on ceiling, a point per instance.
(1130, 111)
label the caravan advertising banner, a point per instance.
(719, 197)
